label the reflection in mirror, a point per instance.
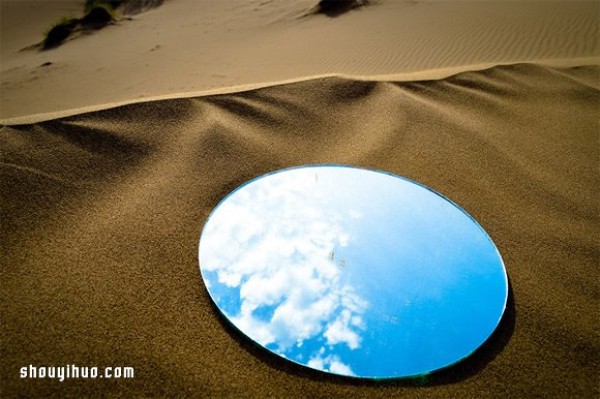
(352, 271)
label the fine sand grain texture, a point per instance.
(189, 46)
(102, 212)
(116, 146)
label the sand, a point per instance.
(189, 46)
(103, 193)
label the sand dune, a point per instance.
(190, 46)
(102, 213)
(116, 146)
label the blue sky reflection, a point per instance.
(351, 271)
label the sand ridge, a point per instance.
(434, 74)
(199, 46)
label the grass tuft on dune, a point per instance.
(59, 32)
(97, 15)
(333, 8)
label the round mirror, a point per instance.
(352, 271)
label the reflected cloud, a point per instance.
(276, 246)
(353, 272)
(330, 363)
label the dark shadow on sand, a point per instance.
(335, 8)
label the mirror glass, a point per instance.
(352, 271)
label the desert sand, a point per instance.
(208, 46)
(114, 154)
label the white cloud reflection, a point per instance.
(274, 244)
(330, 363)
(286, 257)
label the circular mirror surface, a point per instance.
(352, 271)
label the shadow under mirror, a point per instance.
(353, 272)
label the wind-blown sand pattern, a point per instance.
(190, 46)
(101, 212)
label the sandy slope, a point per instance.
(102, 213)
(189, 46)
